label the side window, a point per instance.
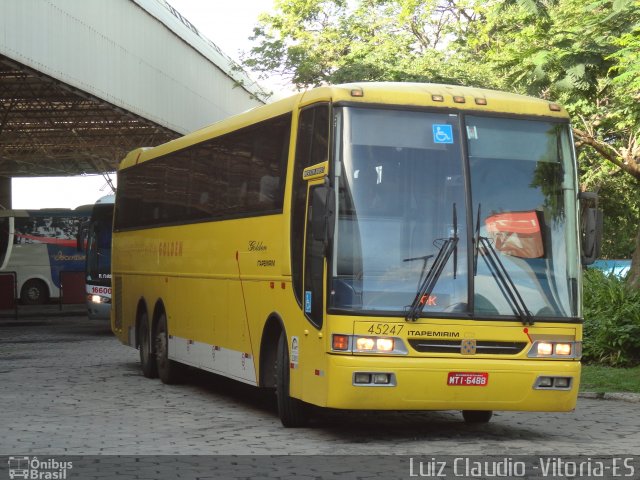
(312, 147)
(238, 174)
(175, 186)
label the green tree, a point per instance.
(312, 42)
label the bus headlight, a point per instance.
(545, 348)
(365, 344)
(551, 349)
(98, 299)
(368, 344)
(385, 344)
(563, 349)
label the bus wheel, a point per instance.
(293, 412)
(147, 358)
(168, 370)
(477, 416)
(34, 292)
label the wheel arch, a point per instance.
(273, 327)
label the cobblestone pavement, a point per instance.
(68, 387)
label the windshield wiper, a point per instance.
(426, 285)
(500, 273)
(425, 261)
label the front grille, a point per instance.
(483, 347)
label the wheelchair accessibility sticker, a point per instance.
(442, 133)
(307, 302)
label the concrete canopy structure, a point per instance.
(82, 83)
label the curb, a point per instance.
(620, 396)
(30, 312)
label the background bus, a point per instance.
(95, 240)
(366, 246)
(38, 245)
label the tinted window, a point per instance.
(238, 174)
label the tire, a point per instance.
(293, 412)
(477, 416)
(34, 292)
(169, 371)
(147, 357)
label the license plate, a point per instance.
(468, 379)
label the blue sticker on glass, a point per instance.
(307, 302)
(442, 133)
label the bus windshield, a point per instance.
(99, 245)
(408, 181)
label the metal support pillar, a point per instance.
(5, 192)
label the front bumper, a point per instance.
(422, 384)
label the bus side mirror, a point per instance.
(591, 225)
(323, 209)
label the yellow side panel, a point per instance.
(195, 272)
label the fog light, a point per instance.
(545, 382)
(545, 348)
(563, 349)
(362, 378)
(562, 382)
(365, 343)
(381, 378)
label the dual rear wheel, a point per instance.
(154, 351)
(170, 372)
(147, 357)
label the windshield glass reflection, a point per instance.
(99, 251)
(401, 196)
(399, 181)
(523, 187)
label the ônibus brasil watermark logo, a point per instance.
(35, 469)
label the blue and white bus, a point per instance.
(38, 245)
(95, 239)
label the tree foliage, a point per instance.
(612, 321)
(313, 42)
(583, 54)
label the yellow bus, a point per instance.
(378, 246)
